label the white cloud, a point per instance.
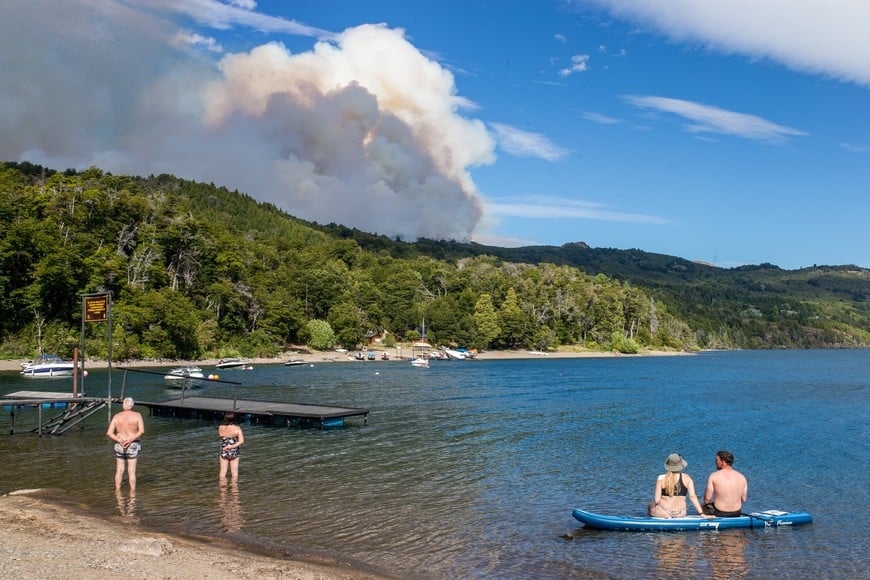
(362, 129)
(600, 119)
(546, 207)
(827, 37)
(245, 4)
(524, 144)
(579, 63)
(221, 16)
(195, 39)
(709, 119)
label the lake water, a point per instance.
(471, 469)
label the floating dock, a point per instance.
(188, 406)
(257, 412)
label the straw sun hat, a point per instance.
(675, 462)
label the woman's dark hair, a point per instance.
(229, 418)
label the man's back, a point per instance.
(727, 488)
(128, 425)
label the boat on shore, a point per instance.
(48, 366)
(765, 519)
(458, 353)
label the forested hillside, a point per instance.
(196, 270)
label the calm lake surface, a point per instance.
(470, 469)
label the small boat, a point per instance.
(420, 362)
(234, 363)
(182, 373)
(294, 362)
(459, 353)
(765, 519)
(48, 366)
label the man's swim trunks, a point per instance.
(721, 514)
(131, 452)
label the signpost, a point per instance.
(97, 307)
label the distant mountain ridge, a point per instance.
(824, 306)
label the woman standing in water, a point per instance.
(672, 488)
(231, 439)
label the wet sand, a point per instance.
(43, 540)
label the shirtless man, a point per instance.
(726, 488)
(125, 430)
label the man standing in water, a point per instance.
(125, 430)
(726, 488)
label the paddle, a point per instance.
(764, 518)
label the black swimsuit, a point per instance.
(679, 489)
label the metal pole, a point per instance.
(82, 349)
(109, 322)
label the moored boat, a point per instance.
(420, 362)
(234, 363)
(769, 518)
(48, 366)
(182, 373)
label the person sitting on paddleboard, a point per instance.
(672, 489)
(726, 488)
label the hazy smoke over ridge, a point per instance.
(363, 131)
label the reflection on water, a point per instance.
(674, 555)
(718, 554)
(230, 507)
(726, 552)
(127, 506)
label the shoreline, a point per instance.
(43, 539)
(313, 357)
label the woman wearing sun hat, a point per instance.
(672, 489)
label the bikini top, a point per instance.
(679, 489)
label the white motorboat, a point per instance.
(295, 362)
(182, 373)
(453, 354)
(234, 363)
(48, 366)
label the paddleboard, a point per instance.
(769, 518)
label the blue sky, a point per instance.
(725, 132)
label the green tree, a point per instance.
(347, 322)
(485, 321)
(511, 321)
(320, 335)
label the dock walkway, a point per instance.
(265, 412)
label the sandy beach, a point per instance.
(42, 540)
(312, 357)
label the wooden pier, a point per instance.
(188, 406)
(257, 412)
